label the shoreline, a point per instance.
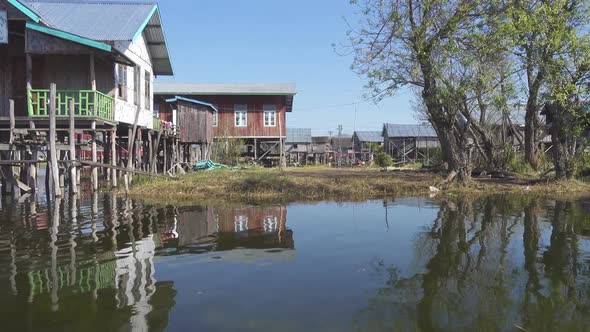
(292, 185)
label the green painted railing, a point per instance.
(157, 124)
(87, 103)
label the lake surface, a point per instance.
(107, 263)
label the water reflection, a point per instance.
(105, 262)
(497, 264)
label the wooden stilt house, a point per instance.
(102, 56)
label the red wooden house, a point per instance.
(254, 113)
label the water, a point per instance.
(106, 263)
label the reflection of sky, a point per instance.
(331, 273)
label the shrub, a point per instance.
(383, 159)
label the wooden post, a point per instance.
(55, 191)
(72, 145)
(165, 168)
(114, 157)
(94, 157)
(281, 149)
(156, 147)
(92, 74)
(150, 151)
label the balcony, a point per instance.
(87, 104)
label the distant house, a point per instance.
(364, 143)
(409, 142)
(321, 149)
(254, 113)
(343, 151)
(297, 145)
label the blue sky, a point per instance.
(227, 41)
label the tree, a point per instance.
(426, 45)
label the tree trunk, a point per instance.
(564, 142)
(455, 153)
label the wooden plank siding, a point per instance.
(226, 119)
(195, 122)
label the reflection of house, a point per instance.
(365, 143)
(409, 143)
(127, 274)
(209, 228)
(298, 145)
(254, 113)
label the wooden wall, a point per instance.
(226, 121)
(195, 122)
(72, 72)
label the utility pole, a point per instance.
(339, 146)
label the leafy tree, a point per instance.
(447, 51)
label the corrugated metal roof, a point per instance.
(260, 89)
(408, 130)
(298, 135)
(344, 142)
(369, 136)
(109, 22)
(193, 101)
(104, 21)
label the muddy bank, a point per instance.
(316, 184)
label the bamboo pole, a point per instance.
(55, 191)
(72, 143)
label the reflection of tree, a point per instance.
(476, 280)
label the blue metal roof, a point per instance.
(298, 135)
(194, 101)
(369, 136)
(108, 22)
(105, 21)
(408, 130)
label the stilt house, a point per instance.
(298, 145)
(253, 113)
(409, 142)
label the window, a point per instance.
(241, 115)
(122, 81)
(148, 90)
(270, 115)
(215, 117)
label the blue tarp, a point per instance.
(208, 165)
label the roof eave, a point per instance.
(25, 10)
(69, 36)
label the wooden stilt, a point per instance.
(156, 148)
(114, 157)
(151, 151)
(165, 168)
(55, 192)
(72, 145)
(94, 157)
